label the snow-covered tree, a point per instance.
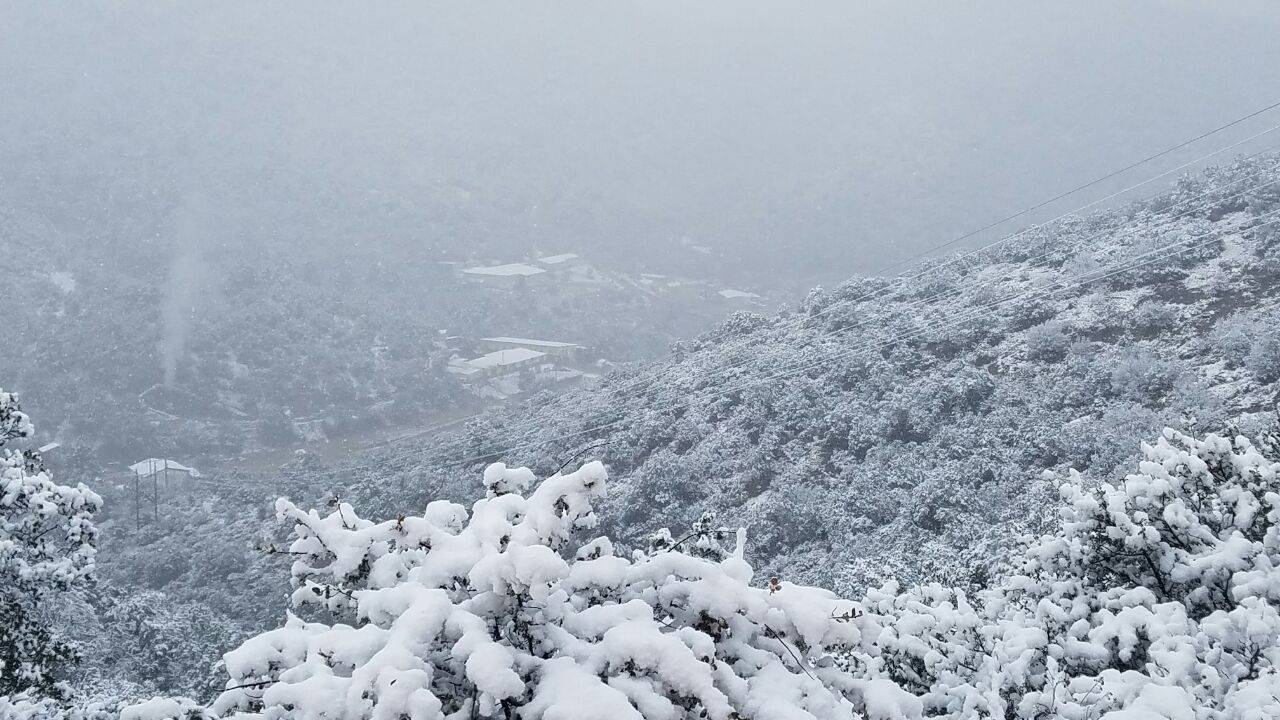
(46, 547)
(1170, 577)
(13, 422)
(1156, 599)
(500, 612)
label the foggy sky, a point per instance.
(818, 139)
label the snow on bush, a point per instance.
(1144, 377)
(496, 613)
(25, 706)
(13, 422)
(1047, 342)
(1155, 599)
(1264, 356)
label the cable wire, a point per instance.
(973, 313)
(901, 280)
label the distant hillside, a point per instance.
(134, 347)
(901, 427)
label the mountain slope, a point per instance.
(901, 426)
(883, 428)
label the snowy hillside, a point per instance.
(900, 426)
(1153, 599)
(891, 430)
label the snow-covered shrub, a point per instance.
(1154, 317)
(1143, 377)
(29, 707)
(497, 612)
(13, 422)
(816, 301)
(157, 642)
(1047, 342)
(1022, 315)
(46, 547)
(1233, 339)
(1168, 577)
(1264, 355)
(734, 327)
(1155, 599)
(1267, 239)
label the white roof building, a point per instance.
(502, 358)
(737, 294)
(153, 466)
(494, 364)
(558, 259)
(461, 367)
(509, 270)
(527, 342)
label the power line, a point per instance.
(925, 300)
(901, 280)
(719, 369)
(1095, 181)
(919, 256)
(889, 341)
(971, 314)
(416, 455)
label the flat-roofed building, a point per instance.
(461, 369)
(158, 466)
(501, 275)
(559, 262)
(496, 363)
(739, 298)
(552, 348)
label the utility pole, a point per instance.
(137, 499)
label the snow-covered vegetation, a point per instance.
(898, 426)
(1154, 598)
(887, 431)
(47, 550)
(497, 612)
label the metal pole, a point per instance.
(137, 490)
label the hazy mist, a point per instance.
(816, 140)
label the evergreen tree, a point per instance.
(46, 547)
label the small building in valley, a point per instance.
(739, 298)
(563, 351)
(559, 262)
(165, 473)
(496, 363)
(507, 275)
(158, 466)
